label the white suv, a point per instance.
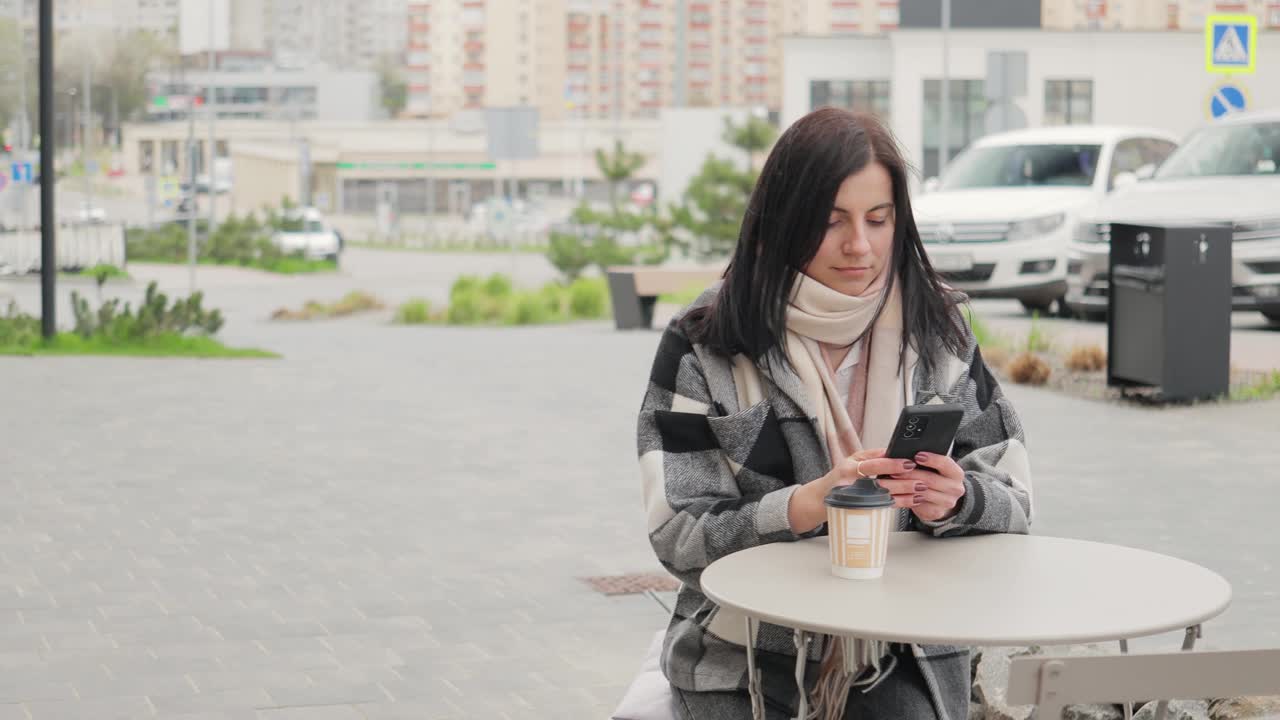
(999, 222)
(314, 237)
(1227, 172)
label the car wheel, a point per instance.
(1037, 306)
(1272, 315)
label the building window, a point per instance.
(1068, 102)
(967, 109)
(146, 155)
(845, 15)
(864, 95)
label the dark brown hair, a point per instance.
(785, 222)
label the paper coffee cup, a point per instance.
(859, 518)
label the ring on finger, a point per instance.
(857, 469)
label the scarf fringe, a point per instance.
(848, 663)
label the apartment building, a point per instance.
(1186, 15)
(613, 58)
(337, 33)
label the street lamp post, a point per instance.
(944, 120)
(48, 253)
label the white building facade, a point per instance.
(1155, 79)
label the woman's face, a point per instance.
(859, 239)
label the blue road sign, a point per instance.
(21, 172)
(1226, 99)
(1231, 43)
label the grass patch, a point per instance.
(1264, 388)
(101, 273)
(352, 303)
(168, 345)
(290, 265)
(684, 297)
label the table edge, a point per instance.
(1009, 641)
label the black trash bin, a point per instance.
(1169, 309)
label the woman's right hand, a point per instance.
(808, 507)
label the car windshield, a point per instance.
(1023, 166)
(1227, 150)
(313, 226)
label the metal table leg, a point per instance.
(753, 675)
(1188, 643)
(1128, 704)
(802, 656)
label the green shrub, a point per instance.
(528, 308)
(588, 298)
(556, 298)
(414, 312)
(153, 318)
(466, 307)
(165, 244)
(606, 252)
(464, 284)
(236, 241)
(568, 254)
(498, 286)
(18, 329)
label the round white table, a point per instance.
(987, 590)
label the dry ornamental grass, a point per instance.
(1029, 369)
(1087, 358)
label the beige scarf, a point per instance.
(817, 314)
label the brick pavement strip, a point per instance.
(390, 523)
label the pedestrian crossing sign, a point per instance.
(1231, 43)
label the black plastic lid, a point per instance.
(862, 494)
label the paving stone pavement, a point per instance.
(390, 522)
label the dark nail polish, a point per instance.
(917, 500)
(909, 465)
(921, 457)
(921, 487)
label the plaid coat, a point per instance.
(718, 478)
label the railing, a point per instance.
(78, 247)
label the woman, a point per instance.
(784, 381)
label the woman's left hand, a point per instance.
(932, 491)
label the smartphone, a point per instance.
(925, 428)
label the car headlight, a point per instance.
(1035, 227)
(1092, 233)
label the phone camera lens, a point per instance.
(914, 420)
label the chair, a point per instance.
(1053, 682)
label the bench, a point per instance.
(1052, 682)
(634, 290)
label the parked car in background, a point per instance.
(1226, 172)
(314, 237)
(999, 221)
